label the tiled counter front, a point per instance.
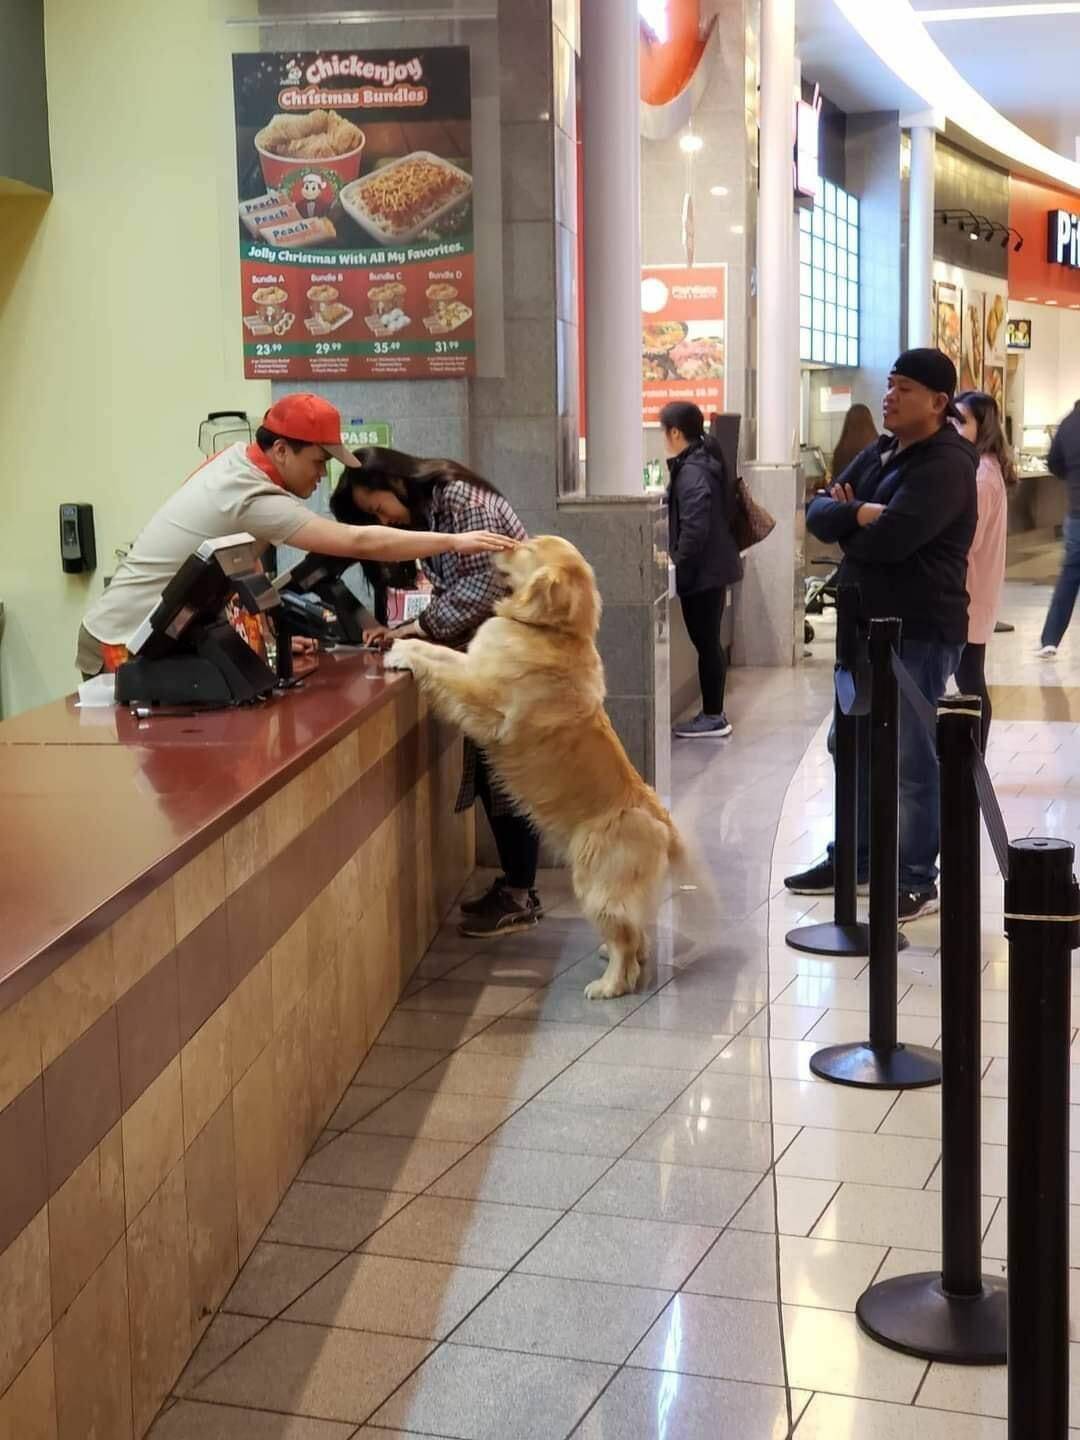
(160, 1090)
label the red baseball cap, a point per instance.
(312, 419)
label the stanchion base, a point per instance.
(906, 1068)
(912, 1313)
(830, 939)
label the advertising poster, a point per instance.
(683, 347)
(354, 175)
(972, 342)
(948, 321)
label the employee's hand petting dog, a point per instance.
(530, 692)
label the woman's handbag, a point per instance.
(752, 523)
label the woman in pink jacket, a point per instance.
(981, 424)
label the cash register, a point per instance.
(319, 604)
(186, 653)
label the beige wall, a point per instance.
(118, 329)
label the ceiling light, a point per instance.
(718, 190)
(999, 12)
(1051, 302)
(1074, 307)
(736, 229)
(1031, 299)
(974, 234)
(690, 143)
(897, 36)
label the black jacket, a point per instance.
(1064, 457)
(701, 507)
(912, 562)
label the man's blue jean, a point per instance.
(930, 665)
(1067, 587)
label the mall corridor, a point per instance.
(535, 1216)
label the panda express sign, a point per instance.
(1063, 238)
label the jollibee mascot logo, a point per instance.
(313, 192)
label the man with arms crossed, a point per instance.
(904, 514)
(261, 489)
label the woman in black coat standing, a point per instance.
(701, 545)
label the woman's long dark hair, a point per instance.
(857, 431)
(684, 416)
(989, 436)
(414, 482)
(412, 479)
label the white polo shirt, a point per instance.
(237, 490)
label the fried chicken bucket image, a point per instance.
(289, 141)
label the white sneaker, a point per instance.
(1047, 652)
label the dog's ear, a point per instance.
(561, 598)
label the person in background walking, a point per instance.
(701, 545)
(980, 422)
(1064, 462)
(858, 431)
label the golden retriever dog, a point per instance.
(530, 692)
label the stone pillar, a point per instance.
(920, 236)
(612, 221)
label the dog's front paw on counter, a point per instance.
(397, 657)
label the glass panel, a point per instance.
(830, 350)
(804, 309)
(830, 287)
(841, 203)
(853, 210)
(842, 263)
(804, 343)
(830, 196)
(819, 314)
(804, 219)
(819, 254)
(804, 247)
(818, 348)
(817, 224)
(830, 257)
(830, 229)
(853, 324)
(804, 279)
(830, 319)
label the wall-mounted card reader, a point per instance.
(78, 548)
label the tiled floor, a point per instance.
(536, 1216)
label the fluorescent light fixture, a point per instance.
(1031, 299)
(737, 229)
(690, 143)
(718, 190)
(1051, 302)
(897, 36)
(999, 12)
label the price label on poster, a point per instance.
(683, 338)
(355, 221)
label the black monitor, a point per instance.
(185, 652)
(320, 576)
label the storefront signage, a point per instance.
(1063, 238)
(683, 337)
(355, 223)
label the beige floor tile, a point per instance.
(984, 1391)
(275, 1275)
(646, 1404)
(722, 1144)
(196, 1420)
(465, 997)
(521, 1177)
(617, 1087)
(616, 1250)
(801, 1203)
(660, 1049)
(429, 1030)
(501, 1076)
(382, 1162)
(572, 1130)
(827, 1351)
(417, 1113)
(748, 1055)
(358, 1101)
(392, 1066)
(309, 1370)
(787, 1022)
(885, 1215)
(918, 1112)
(462, 1232)
(699, 1014)
(727, 1339)
(847, 1155)
(395, 1296)
(567, 1005)
(829, 992)
(824, 1274)
(684, 1194)
(839, 1027)
(535, 1039)
(223, 1338)
(829, 1417)
(335, 1217)
(786, 1102)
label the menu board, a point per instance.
(947, 310)
(973, 345)
(683, 341)
(994, 370)
(355, 223)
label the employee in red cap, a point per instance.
(261, 489)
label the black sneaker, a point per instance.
(818, 880)
(480, 903)
(492, 898)
(914, 904)
(502, 916)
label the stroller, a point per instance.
(820, 591)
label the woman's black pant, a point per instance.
(516, 841)
(702, 614)
(971, 680)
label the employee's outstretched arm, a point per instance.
(382, 542)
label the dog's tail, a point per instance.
(691, 894)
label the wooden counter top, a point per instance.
(99, 808)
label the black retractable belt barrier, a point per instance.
(1041, 908)
(958, 1314)
(881, 1063)
(846, 934)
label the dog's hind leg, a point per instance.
(623, 943)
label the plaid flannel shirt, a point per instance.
(466, 589)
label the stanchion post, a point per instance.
(956, 1315)
(1040, 899)
(881, 1063)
